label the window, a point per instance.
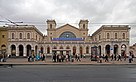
(123, 35)
(36, 37)
(108, 35)
(48, 50)
(116, 36)
(83, 26)
(20, 35)
(87, 50)
(50, 26)
(3, 36)
(99, 37)
(28, 35)
(13, 36)
(67, 34)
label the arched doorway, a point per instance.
(99, 49)
(123, 50)
(54, 51)
(67, 52)
(42, 50)
(36, 48)
(48, 50)
(3, 47)
(13, 50)
(28, 50)
(115, 49)
(61, 52)
(107, 49)
(74, 50)
(21, 50)
(87, 50)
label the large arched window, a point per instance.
(108, 35)
(67, 35)
(123, 35)
(116, 36)
(83, 26)
(50, 26)
(13, 36)
(48, 50)
(20, 35)
(28, 35)
(99, 37)
(87, 50)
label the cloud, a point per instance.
(71, 11)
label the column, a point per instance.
(119, 49)
(127, 50)
(71, 48)
(17, 51)
(25, 51)
(9, 50)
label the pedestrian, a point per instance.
(43, 57)
(119, 57)
(125, 57)
(133, 57)
(130, 58)
(78, 57)
(112, 57)
(115, 57)
(106, 58)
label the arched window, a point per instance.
(50, 26)
(108, 36)
(13, 36)
(83, 26)
(48, 50)
(99, 37)
(67, 34)
(20, 35)
(123, 35)
(116, 36)
(36, 37)
(61, 47)
(67, 47)
(54, 47)
(28, 35)
(87, 50)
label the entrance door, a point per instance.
(21, 50)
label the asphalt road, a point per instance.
(69, 73)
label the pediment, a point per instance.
(67, 26)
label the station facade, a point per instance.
(68, 39)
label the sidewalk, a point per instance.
(84, 61)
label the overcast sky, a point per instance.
(36, 12)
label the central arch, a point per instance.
(28, 50)
(21, 50)
(67, 34)
(13, 50)
(107, 48)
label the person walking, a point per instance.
(112, 57)
(119, 57)
(130, 58)
(106, 58)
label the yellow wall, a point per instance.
(3, 40)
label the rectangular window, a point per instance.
(3, 36)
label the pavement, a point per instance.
(48, 61)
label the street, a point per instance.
(68, 73)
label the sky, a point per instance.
(98, 12)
